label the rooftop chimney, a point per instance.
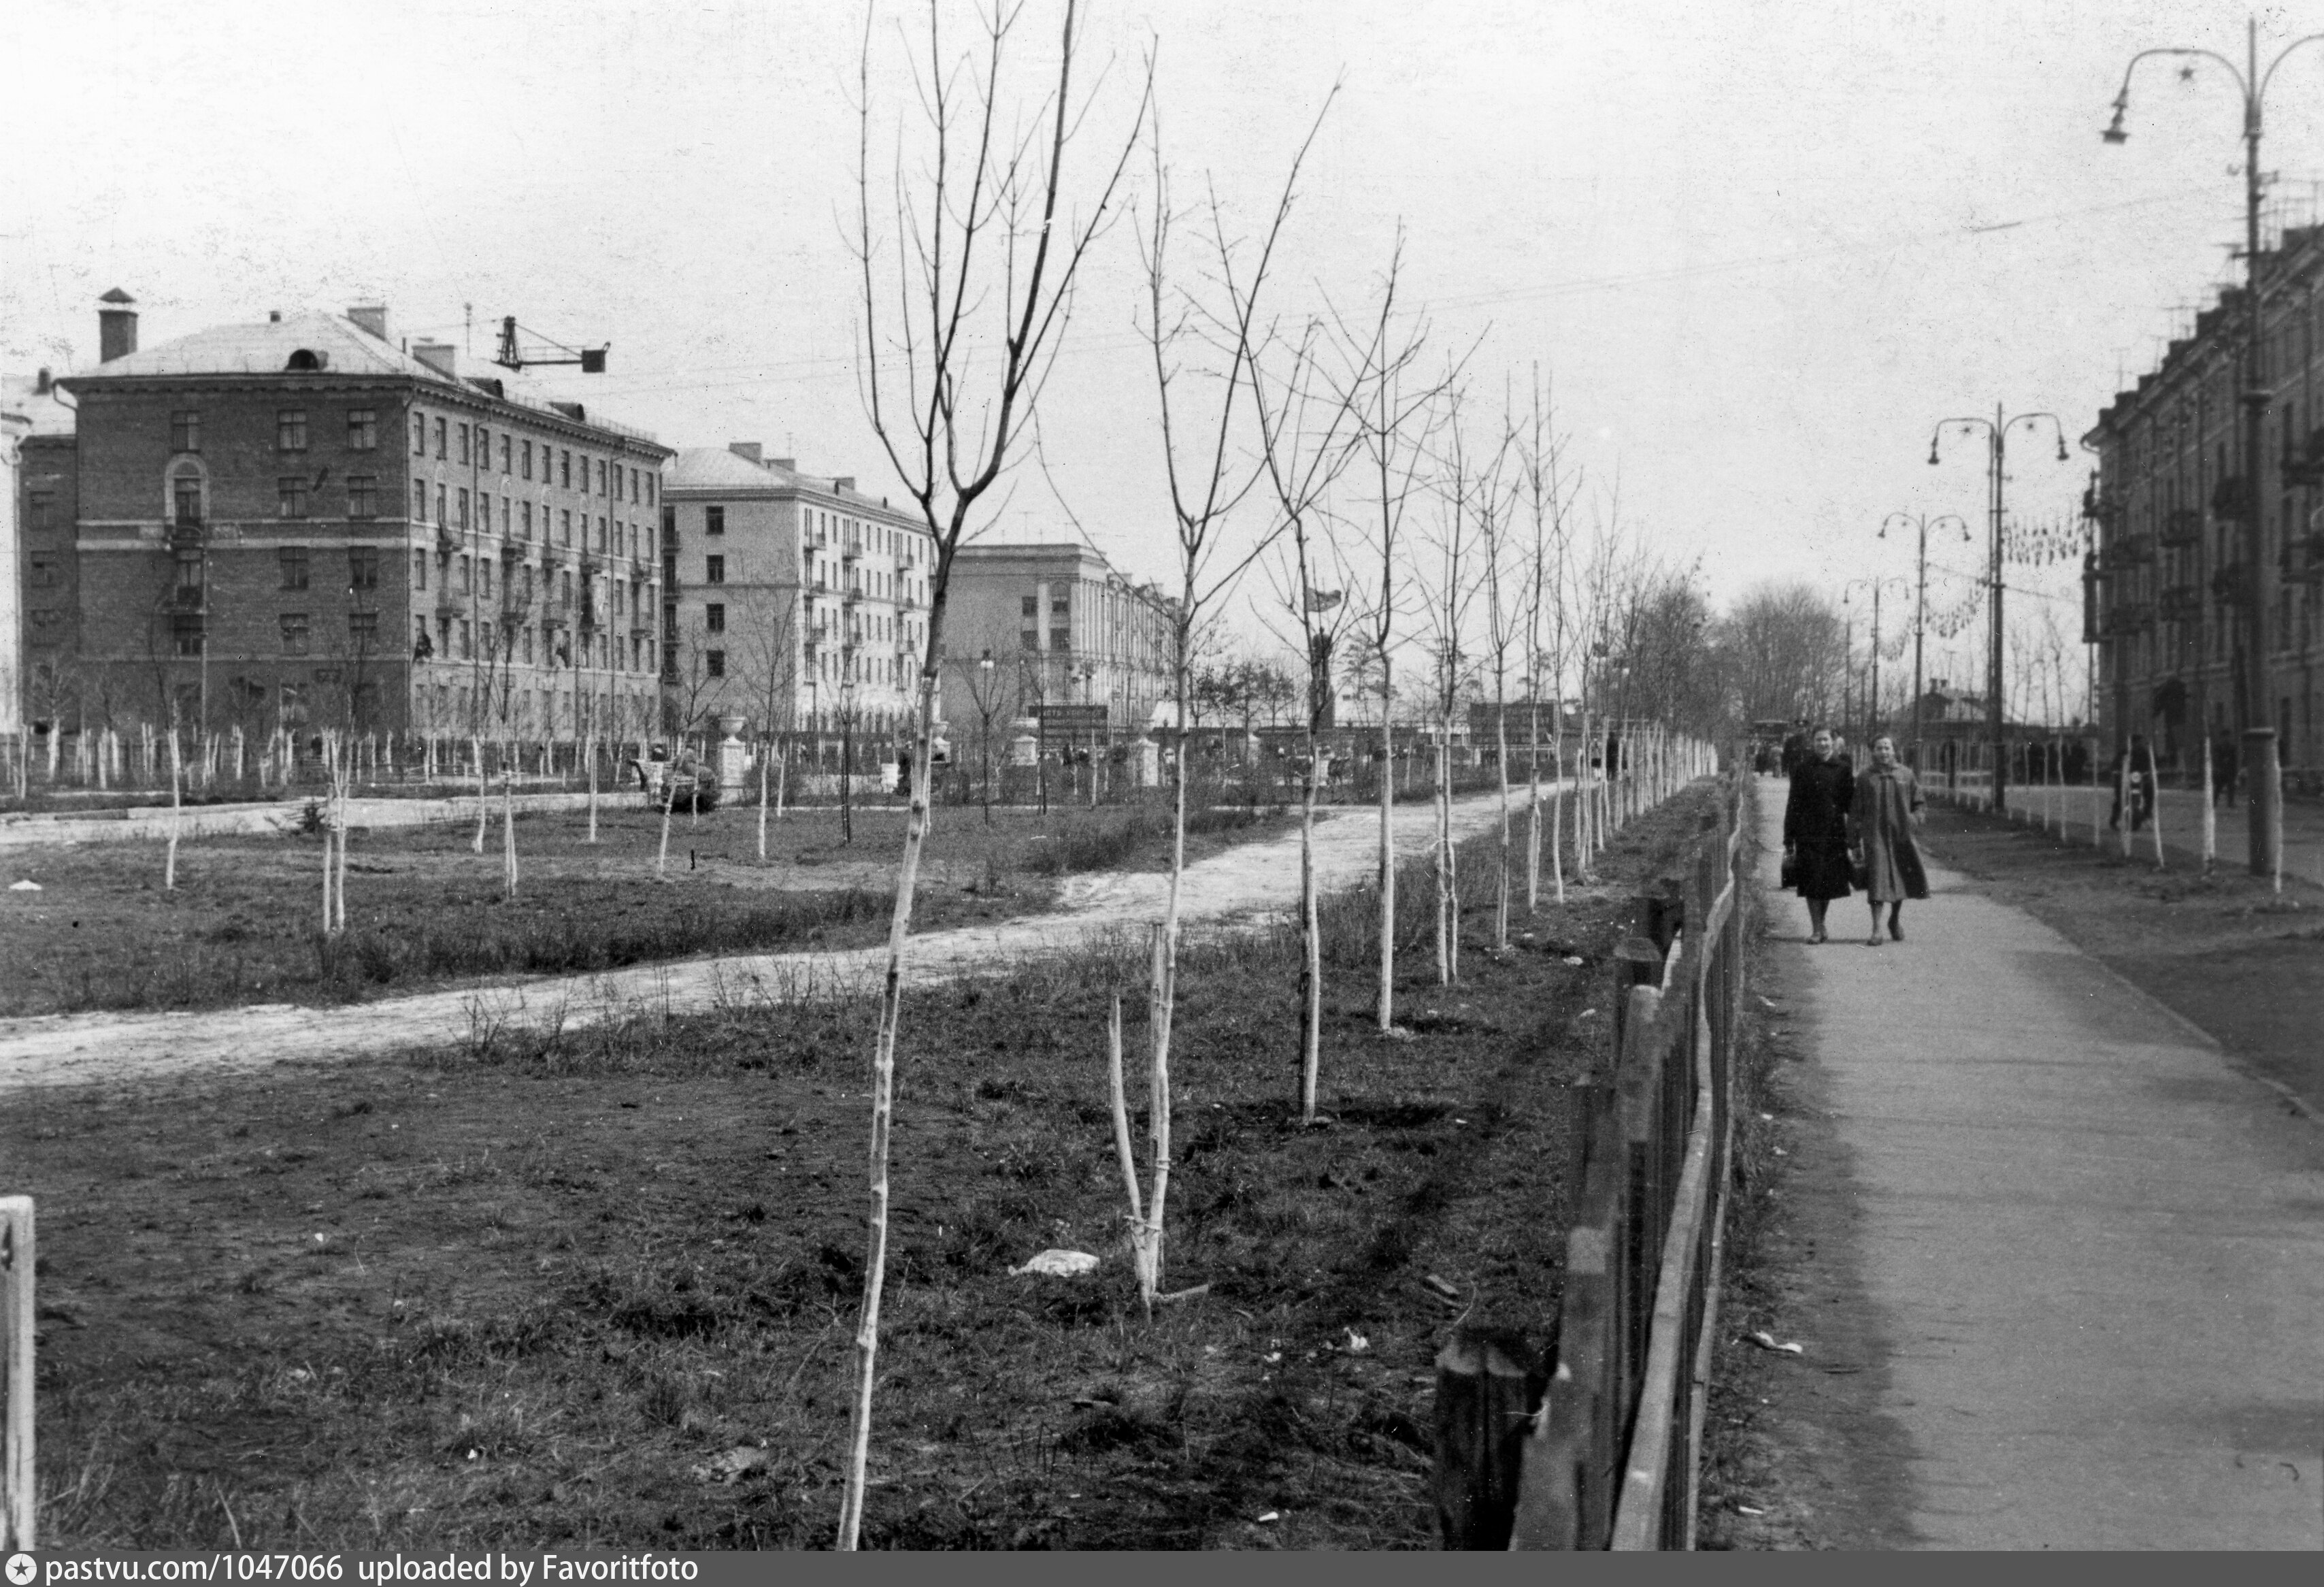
(370, 318)
(747, 450)
(789, 464)
(274, 317)
(439, 356)
(43, 383)
(116, 326)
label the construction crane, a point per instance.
(592, 360)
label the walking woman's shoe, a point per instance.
(1874, 940)
(1897, 929)
(1819, 936)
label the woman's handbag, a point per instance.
(1791, 872)
(1860, 871)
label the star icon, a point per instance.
(2186, 74)
(21, 1569)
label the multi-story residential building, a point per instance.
(37, 610)
(2167, 594)
(302, 522)
(788, 599)
(1062, 628)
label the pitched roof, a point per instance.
(345, 347)
(716, 468)
(22, 393)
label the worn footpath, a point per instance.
(1238, 886)
(2074, 1255)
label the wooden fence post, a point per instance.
(1487, 1390)
(18, 1264)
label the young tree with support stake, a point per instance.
(1302, 426)
(962, 308)
(1393, 425)
(1207, 486)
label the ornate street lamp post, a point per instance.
(1996, 429)
(2261, 750)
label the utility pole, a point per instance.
(1921, 523)
(1996, 430)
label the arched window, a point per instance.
(307, 361)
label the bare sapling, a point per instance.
(668, 802)
(961, 303)
(763, 758)
(1146, 1215)
(1503, 614)
(1303, 422)
(483, 793)
(1450, 606)
(2154, 797)
(508, 833)
(589, 752)
(340, 787)
(177, 818)
(1393, 416)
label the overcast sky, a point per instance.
(1761, 248)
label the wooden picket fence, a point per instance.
(1601, 1449)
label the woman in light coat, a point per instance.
(1887, 810)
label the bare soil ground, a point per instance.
(423, 909)
(599, 1287)
(1801, 1456)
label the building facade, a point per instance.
(36, 435)
(302, 523)
(793, 601)
(1062, 628)
(2166, 593)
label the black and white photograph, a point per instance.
(1114, 775)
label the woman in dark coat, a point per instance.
(1887, 807)
(1815, 828)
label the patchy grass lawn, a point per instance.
(602, 1291)
(424, 908)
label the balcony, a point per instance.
(850, 550)
(512, 551)
(2101, 507)
(2122, 554)
(2125, 619)
(2182, 526)
(186, 598)
(2180, 603)
(185, 533)
(2303, 467)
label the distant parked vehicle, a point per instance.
(687, 783)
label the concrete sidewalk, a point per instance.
(2182, 827)
(2095, 1250)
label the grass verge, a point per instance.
(599, 1289)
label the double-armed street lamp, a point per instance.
(1996, 430)
(1922, 523)
(2261, 750)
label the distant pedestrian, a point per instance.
(1887, 809)
(1815, 829)
(2223, 767)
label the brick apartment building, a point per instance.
(787, 599)
(2168, 596)
(302, 522)
(38, 572)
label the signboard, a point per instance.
(1073, 718)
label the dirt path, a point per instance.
(1229, 889)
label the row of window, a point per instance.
(290, 429)
(455, 640)
(614, 479)
(614, 537)
(298, 631)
